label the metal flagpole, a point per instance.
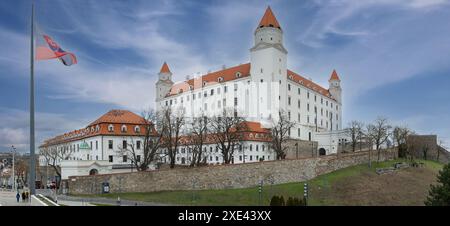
(32, 157)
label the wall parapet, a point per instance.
(223, 176)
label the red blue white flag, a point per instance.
(47, 48)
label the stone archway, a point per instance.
(93, 172)
(322, 151)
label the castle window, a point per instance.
(271, 37)
(205, 94)
(180, 91)
(204, 83)
(262, 80)
(137, 129)
(123, 129)
(225, 89)
(110, 128)
(97, 128)
(220, 79)
(212, 92)
(289, 87)
(235, 87)
(218, 90)
(290, 77)
(289, 100)
(238, 74)
(261, 70)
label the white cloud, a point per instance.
(14, 127)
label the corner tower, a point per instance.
(268, 59)
(335, 87)
(164, 82)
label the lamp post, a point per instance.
(13, 172)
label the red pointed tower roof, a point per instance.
(269, 19)
(165, 68)
(334, 76)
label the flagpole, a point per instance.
(32, 146)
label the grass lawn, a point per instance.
(356, 185)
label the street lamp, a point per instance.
(13, 173)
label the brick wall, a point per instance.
(221, 176)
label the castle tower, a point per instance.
(335, 87)
(268, 59)
(164, 82)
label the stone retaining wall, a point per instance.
(222, 176)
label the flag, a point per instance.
(47, 48)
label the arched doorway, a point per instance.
(322, 151)
(93, 172)
(183, 160)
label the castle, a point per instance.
(256, 91)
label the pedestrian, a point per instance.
(18, 196)
(23, 196)
(26, 196)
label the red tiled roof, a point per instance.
(165, 68)
(269, 19)
(211, 78)
(116, 118)
(119, 116)
(229, 74)
(307, 83)
(334, 76)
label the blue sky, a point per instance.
(393, 56)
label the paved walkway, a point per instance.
(8, 198)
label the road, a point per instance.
(8, 198)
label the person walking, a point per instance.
(18, 196)
(23, 196)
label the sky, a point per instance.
(393, 56)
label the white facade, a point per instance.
(247, 151)
(268, 88)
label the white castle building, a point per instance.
(257, 91)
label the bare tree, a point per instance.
(381, 133)
(53, 157)
(370, 135)
(197, 138)
(227, 132)
(144, 150)
(354, 131)
(280, 134)
(400, 135)
(172, 122)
